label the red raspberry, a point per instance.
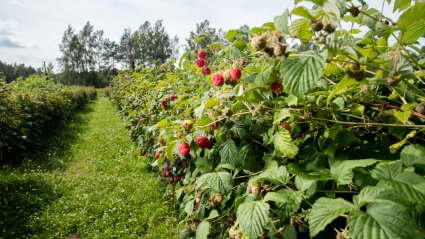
(176, 178)
(218, 79)
(206, 63)
(203, 142)
(235, 73)
(164, 174)
(200, 62)
(164, 104)
(167, 168)
(157, 155)
(276, 87)
(206, 71)
(184, 149)
(287, 126)
(202, 54)
(172, 97)
(214, 126)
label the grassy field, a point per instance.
(87, 183)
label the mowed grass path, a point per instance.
(91, 183)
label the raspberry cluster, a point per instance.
(203, 63)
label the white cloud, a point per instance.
(7, 27)
(16, 42)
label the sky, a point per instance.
(31, 30)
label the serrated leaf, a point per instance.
(213, 214)
(405, 190)
(376, 194)
(411, 15)
(278, 176)
(218, 181)
(281, 22)
(203, 230)
(204, 122)
(170, 149)
(325, 210)
(252, 217)
(300, 28)
(229, 153)
(401, 5)
(240, 44)
(211, 102)
(239, 130)
(413, 154)
(283, 143)
(415, 31)
(342, 170)
(302, 74)
(189, 207)
(387, 170)
(302, 12)
(288, 201)
(281, 115)
(383, 221)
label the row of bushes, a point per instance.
(307, 131)
(30, 108)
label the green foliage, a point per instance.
(253, 216)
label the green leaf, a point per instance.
(341, 87)
(302, 12)
(383, 221)
(302, 74)
(203, 230)
(204, 122)
(342, 170)
(170, 149)
(278, 176)
(403, 115)
(253, 216)
(287, 200)
(240, 44)
(281, 115)
(325, 210)
(231, 34)
(376, 194)
(211, 102)
(405, 190)
(413, 154)
(213, 214)
(411, 16)
(401, 4)
(281, 22)
(398, 145)
(218, 181)
(415, 31)
(229, 153)
(283, 143)
(387, 170)
(300, 28)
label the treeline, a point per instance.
(89, 58)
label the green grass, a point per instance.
(90, 183)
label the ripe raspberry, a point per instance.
(157, 155)
(203, 142)
(164, 104)
(187, 125)
(206, 71)
(172, 97)
(218, 79)
(200, 62)
(206, 63)
(235, 73)
(184, 149)
(213, 126)
(202, 54)
(276, 87)
(164, 174)
(176, 178)
(167, 168)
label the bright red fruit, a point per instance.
(206, 71)
(218, 79)
(200, 62)
(157, 155)
(164, 104)
(276, 87)
(172, 97)
(235, 73)
(167, 168)
(184, 149)
(203, 142)
(214, 126)
(202, 54)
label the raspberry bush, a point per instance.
(319, 132)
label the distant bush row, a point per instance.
(29, 108)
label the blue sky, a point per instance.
(31, 30)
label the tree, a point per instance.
(203, 36)
(147, 45)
